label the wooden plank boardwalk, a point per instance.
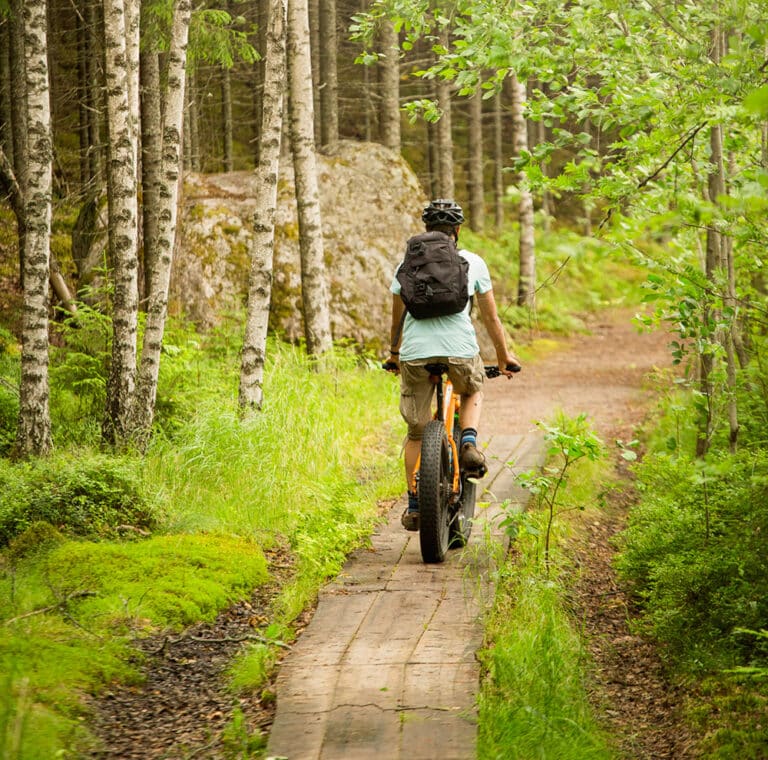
(386, 669)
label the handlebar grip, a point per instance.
(493, 370)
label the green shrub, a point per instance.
(696, 551)
(89, 495)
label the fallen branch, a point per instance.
(51, 607)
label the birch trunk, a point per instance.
(526, 291)
(121, 192)
(251, 392)
(314, 287)
(132, 18)
(226, 118)
(143, 406)
(329, 78)
(151, 163)
(19, 118)
(476, 185)
(446, 187)
(720, 274)
(390, 87)
(6, 139)
(498, 163)
(34, 429)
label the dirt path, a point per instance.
(385, 667)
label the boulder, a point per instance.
(370, 203)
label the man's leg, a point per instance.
(472, 459)
(411, 457)
(469, 412)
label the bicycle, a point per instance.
(446, 494)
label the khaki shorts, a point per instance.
(416, 389)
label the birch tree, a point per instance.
(446, 187)
(329, 77)
(314, 286)
(476, 183)
(389, 67)
(143, 404)
(34, 429)
(123, 209)
(527, 283)
(262, 248)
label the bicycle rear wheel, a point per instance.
(461, 523)
(462, 516)
(434, 492)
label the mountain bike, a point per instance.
(446, 494)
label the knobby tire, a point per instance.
(434, 491)
(464, 513)
(461, 524)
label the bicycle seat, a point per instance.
(436, 369)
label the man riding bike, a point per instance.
(450, 340)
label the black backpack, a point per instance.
(434, 277)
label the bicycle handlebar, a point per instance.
(491, 370)
(494, 371)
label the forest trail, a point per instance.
(386, 667)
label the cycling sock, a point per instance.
(469, 435)
(413, 502)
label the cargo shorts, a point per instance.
(416, 389)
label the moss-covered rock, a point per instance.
(370, 203)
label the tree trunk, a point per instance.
(719, 271)
(121, 191)
(143, 406)
(446, 188)
(433, 160)
(390, 87)
(34, 429)
(132, 18)
(151, 163)
(19, 118)
(191, 130)
(94, 73)
(226, 117)
(526, 291)
(6, 138)
(498, 162)
(314, 287)
(260, 283)
(476, 185)
(329, 78)
(313, 9)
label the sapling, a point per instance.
(566, 445)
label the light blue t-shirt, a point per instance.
(453, 335)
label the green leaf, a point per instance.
(757, 101)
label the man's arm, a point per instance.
(396, 329)
(490, 317)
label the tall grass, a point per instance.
(319, 443)
(534, 699)
(306, 472)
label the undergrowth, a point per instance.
(102, 549)
(695, 553)
(577, 276)
(534, 694)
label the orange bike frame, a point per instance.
(451, 405)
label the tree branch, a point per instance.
(51, 607)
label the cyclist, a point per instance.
(451, 340)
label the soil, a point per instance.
(182, 709)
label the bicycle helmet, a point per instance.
(442, 211)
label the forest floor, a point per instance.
(182, 709)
